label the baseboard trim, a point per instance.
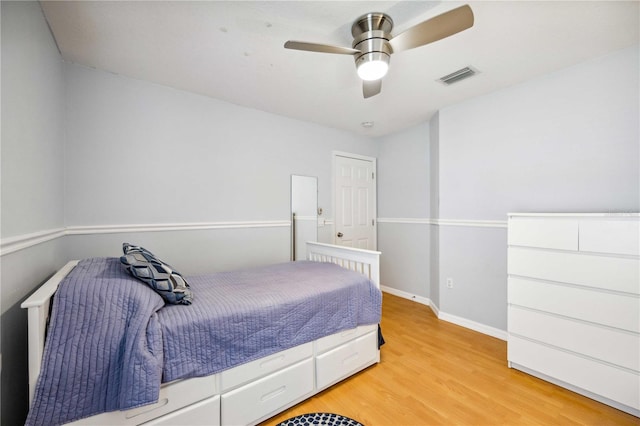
(435, 309)
(405, 295)
(463, 322)
(473, 325)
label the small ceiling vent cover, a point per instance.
(456, 76)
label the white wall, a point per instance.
(32, 122)
(566, 142)
(82, 147)
(139, 153)
(32, 181)
(403, 205)
(434, 210)
(148, 154)
(403, 173)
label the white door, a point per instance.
(355, 201)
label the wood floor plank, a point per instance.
(436, 373)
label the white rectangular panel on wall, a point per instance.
(574, 303)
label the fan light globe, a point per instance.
(373, 70)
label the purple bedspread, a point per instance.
(246, 315)
(104, 346)
(112, 341)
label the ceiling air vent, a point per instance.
(456, 76)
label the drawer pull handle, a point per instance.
(348, 333)
(273, 394)
(271, 361)
(135, 413)
(350, 358)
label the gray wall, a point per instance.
(148, 154)
(403, 193)
(434, 204)
(403, 173)
(82, 147)
(566, 142)
(32, 122)
(32, 181)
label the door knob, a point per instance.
(340, 234)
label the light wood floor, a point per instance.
(436, 373)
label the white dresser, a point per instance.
(574, 303)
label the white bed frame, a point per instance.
(249, 393)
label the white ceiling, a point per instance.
(233, 51)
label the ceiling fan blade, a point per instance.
(322, 48)
(371, 88)
(434, 29)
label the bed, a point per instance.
(245, 393)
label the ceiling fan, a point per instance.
(373, 44)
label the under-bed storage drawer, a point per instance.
(328, 342)
(251, 402)
(340, 362)
(263, 366)
(173, 396)
(203, 413)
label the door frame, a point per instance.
(373, 160)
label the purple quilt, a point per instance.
(112, 341)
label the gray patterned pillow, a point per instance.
(161, 277)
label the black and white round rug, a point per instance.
(327, 419)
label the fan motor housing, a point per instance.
(374, 21)
(371, 34)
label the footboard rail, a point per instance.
(366, 262)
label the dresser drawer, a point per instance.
(251, 402)
(610, 273)
(610, 236)
(203, 413)
(615, 310)
(340, 362)
(603, 343)
(328, 342)
(263, 366)
(561, 234)
(605, 380)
